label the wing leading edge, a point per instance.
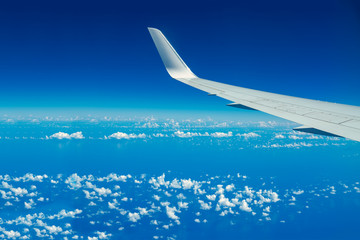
(316, 117)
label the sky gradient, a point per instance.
(98, 142)
(87, 54)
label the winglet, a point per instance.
(172, 61)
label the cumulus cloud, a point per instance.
(74, 181)
(133, 217)
(63, 135)
(159, 200)
(230, 187)
(170, 212)
(211, 197)
(66, 214)
(294, 137)
(121, 135)
(248, 135)
(279, 136)
(244, 206)
(189, 134)
(221, 134)
(19, 191)
(298, 192)
(204, 206)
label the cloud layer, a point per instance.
(117, 204)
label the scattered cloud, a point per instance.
(121, 135)
(63, 135)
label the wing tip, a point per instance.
(151, 29)
(174, 65)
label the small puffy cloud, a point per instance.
(181, 196)
(19, 191)
(230, 187)
(183, 204)
(294, 137)
(62, 135)
(211, 197)
(223, 201)
(74, 181)
(53, 229)
(31, 177)
(204, 206)
(142, 211)
(248, 135)
(187, 183)
(175, 184)
(279, 136)
(170, 212)
(102, 191)
(298, 192)
(244, 206)
(6, 185)
(133, 217)
(121, 135)
(187, 134)
(103, 235)
(156, 197)
(10, 234)
(221, 134)
(28, 205)
(64, 214)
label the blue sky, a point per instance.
(81, 80)
(87, 54)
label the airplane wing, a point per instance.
(316, 117)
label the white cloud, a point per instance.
(53, 229)
(221, 134)
(188, 134)
(230, 187)
(74, 181)
(211, 197)
(6, 185)
(223, 201)
(170, 212)
(10, 234)
(248, 135)
(244, 206)
(133, 217)
(142, 211)
(103, 235)
(298, 192)
(121, 135)
(63, 214)
(28, 205)
(279, 136)
(62, 135)
(204, 206)
(187, 183)
(19, 191)
(175, 184)
(294, 137)
(31, 177)
(183, 204)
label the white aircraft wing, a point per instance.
(316, 117)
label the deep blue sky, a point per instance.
(99, 53)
